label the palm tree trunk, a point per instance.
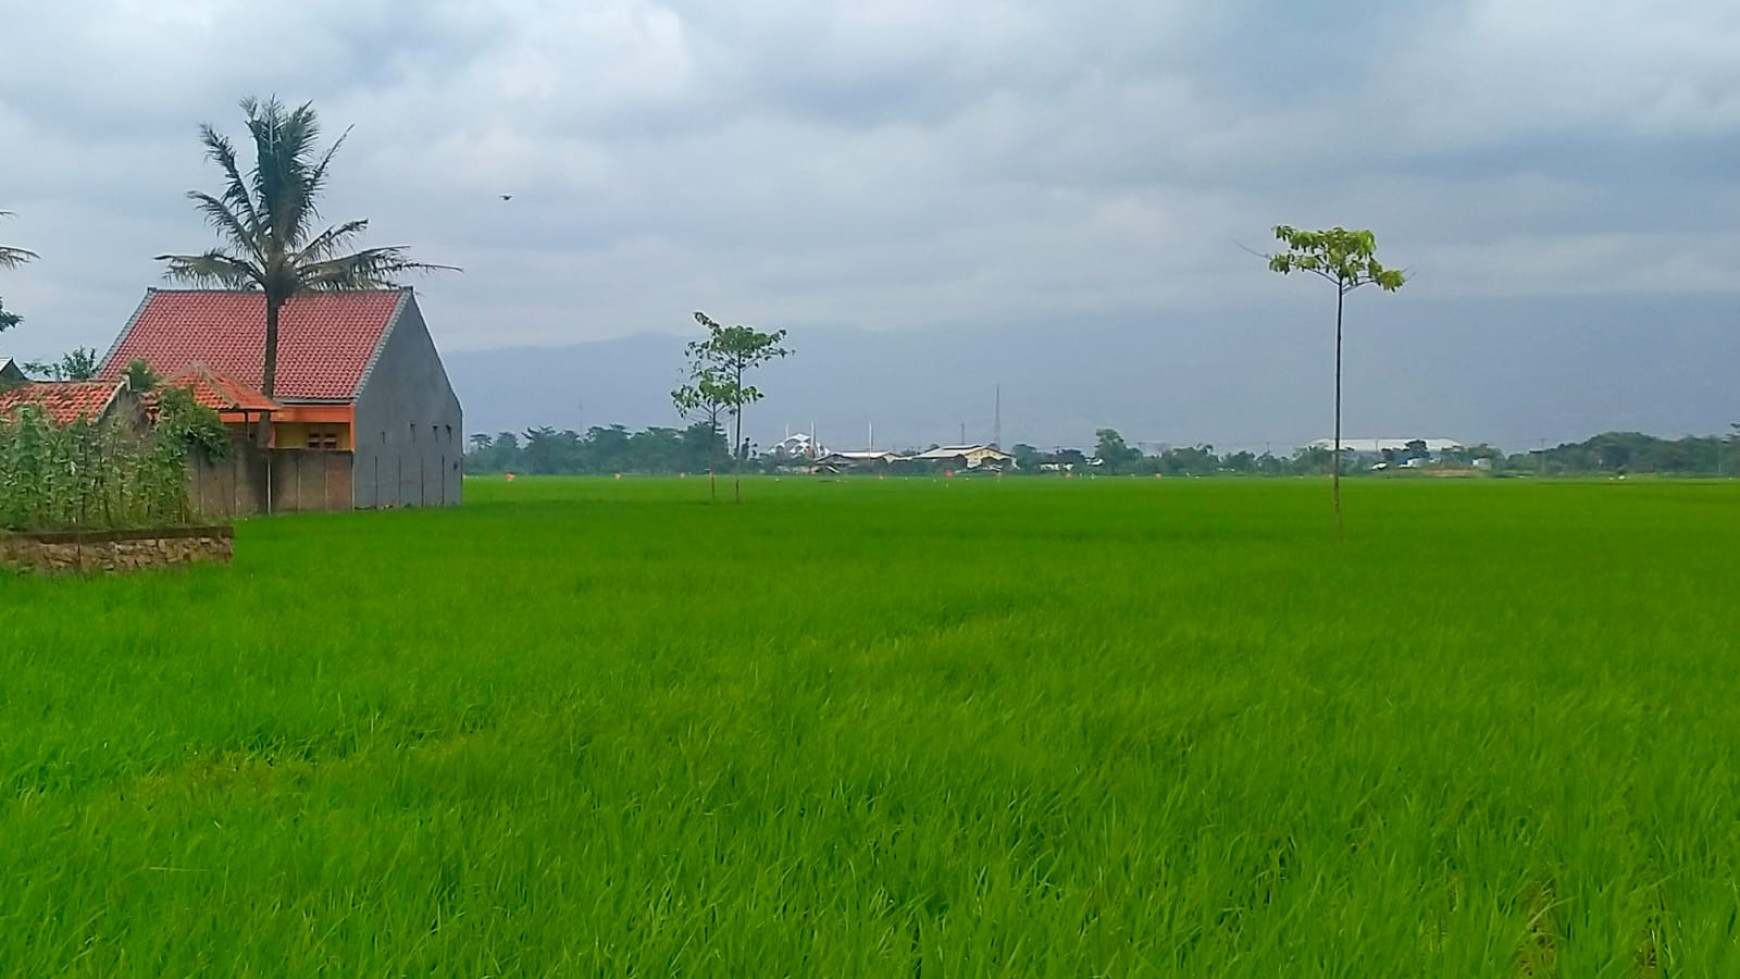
(1335, 463)
(269, 371)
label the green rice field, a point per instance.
(928, 728)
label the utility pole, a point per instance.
(997, 421)
(963, 440)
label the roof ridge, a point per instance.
(132, 321)
(196, 290)
(406, 299)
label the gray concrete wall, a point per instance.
(409, 433)
(300, 479)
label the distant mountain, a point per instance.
(1510, 372)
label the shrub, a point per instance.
(88, 476)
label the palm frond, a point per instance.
(212, 268)
(330, 241)
(284, 144)
(316, 182)
(221, 151)
(11, 258)
(220, 216)
(372, 268)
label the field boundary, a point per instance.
(113, 551)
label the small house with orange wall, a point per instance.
(241, 408)
(357, 373)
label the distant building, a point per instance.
(798, 445)
(9, 372)
(966, 457)
(1377, 447)
(868, 460)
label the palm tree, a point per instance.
(267, 220)
(11, 258)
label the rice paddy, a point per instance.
(937, 728)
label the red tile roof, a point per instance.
(326, 341)
(217, 391)
(64, 402)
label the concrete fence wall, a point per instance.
(252, 481)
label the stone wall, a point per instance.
(118, 551)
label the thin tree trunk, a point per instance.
(737, 442)
(713, 457)
(1335, 463)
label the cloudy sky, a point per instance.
(908, 165)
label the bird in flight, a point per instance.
(507, 197)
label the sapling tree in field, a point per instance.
(716, 369)
(1347, 260)
(266, 217)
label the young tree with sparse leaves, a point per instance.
(267, 220)
(1347, 260)
(717, 366)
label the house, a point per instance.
(358, 375)
(872, 460)
(9, 373)
(65, 402)
(966, 456)
(1377, 447)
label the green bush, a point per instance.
(88, 476)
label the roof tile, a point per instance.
(216, 390)
(325, 340)
(64, 402)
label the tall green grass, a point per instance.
(903, 728)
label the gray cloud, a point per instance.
(896, 164)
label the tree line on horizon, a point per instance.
(657, 450)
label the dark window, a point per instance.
(323, 438)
